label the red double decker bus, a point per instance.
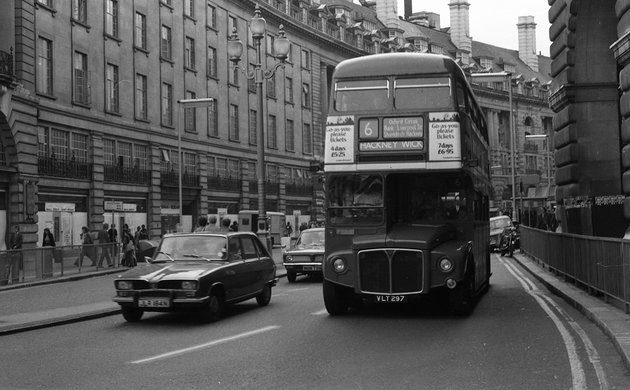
(407, 183)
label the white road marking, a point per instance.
(297, 289)
(319, 313)
(206, 345)
(577, 372)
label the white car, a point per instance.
(497, 225)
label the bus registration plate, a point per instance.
(390, 298)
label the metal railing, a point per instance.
(28, 265)
(597, 264)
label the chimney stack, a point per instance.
(460, 28)
(527, 41)
(408, 9)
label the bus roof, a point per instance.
(389, 64)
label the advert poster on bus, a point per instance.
(339, 139)
(445, 141)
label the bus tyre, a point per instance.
(461, 298)
(131, 314)
(291, 276)
(334, 299)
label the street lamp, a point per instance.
(184, 104)
(499, 77)
(545, 138)
(281, 47)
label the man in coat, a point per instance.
(15, 243)
(104, 242)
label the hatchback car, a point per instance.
(497, 225)
(198, 271)
(306, 256)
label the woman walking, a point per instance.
(129, 246)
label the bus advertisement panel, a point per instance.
(407, 184)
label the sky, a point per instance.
(494, 21)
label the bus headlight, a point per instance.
(189, 285)
(339, 265)
(445, 264)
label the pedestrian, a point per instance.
(289, 229)
(129, 247)
(87, 249)
(234, 227)
(48, 243)
(113, 238)
(212, 225)
(136, 235)
(202, 224)
(103, 240)
(144, 234)
(15, 264)
(225, 225)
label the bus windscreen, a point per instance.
(423, 93)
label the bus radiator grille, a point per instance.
(390, 271)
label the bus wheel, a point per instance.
(461, 298)
(334, 299)
(291, 275)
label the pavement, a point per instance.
(88, 295)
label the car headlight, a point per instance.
(124, 285)
(445, 264)
(288, 258)
(339, 265)
(189, 285)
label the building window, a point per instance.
(232, 24)
(288, 90)
(270, 40)
(79, 11)
(190, 163)
(306, 59)
(421, 45)
(190, 114)
(165, 47)
(167, 104)
(44, 66)
(289, 137)
(189, 8)
(306, 95)
(233, 136)
(141, 157)
(212, 62)
(141, 31)
(111, 89)
(111, 18)
(62, 145)
(81, 92)
(251, 83)
(212, 17)
(141, 96)
(271, 86)
(485, 63)
(234, 76)
(253, 128)
(189, 53)
(307, 139)
(272, 133)
(213, 119)
(47, 3)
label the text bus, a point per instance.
(407, 183)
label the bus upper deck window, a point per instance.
(423, 93)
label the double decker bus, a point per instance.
(407, 184)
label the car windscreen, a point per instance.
(186, 248)
(311, 238)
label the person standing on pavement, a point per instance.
(129, 247)
(202, 224)
(15, 265)
(87, 249)
(103, 240)
(225, 225)
(48, 242)
(113, 238)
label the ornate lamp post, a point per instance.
(258, 25)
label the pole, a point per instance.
(512, 135)
(262, 230)
(179, 174)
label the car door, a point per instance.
(253, 264)
(235, 270)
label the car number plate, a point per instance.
(154, 302)
(390, 298)
(312, 268)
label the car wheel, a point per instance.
(265, 296)
(334, 299)
(131, 314)
(291, 276)
(214, 310)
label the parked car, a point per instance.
(497, 225)
(306, 256)
(198, 271)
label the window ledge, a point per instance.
(76, 22)
(47, 96)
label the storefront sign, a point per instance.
(67, 207)
(110, 205)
